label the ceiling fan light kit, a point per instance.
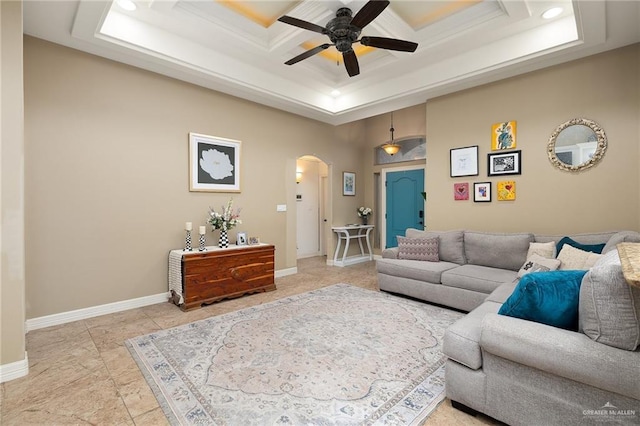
(344, 30)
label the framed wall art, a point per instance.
(506, 190)
(503, 136)
(482, 192)
(214, 164)
(464, 161)
(348, 183)
(461, 191)
(507, 163)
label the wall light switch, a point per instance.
(281, 208)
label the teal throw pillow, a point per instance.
(593, 248)
(550, 298)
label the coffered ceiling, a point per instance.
(239, 47)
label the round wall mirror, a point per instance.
(577, 145)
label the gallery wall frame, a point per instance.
(214, 164)
(463, 161)
(482, 192)
(504, 163)
(348, 183)
(503, 136)
(461, 191)
(506, 190)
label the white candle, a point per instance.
(203, 230)
(188, 226)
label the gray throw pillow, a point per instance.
(451, 244)
(609, 310)
(418, 249)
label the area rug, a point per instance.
(340, 355)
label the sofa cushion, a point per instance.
(546, 297)
(609, 306)
(591, 238)
(537, 263)
(573, 258)
(462, 338)
(418, 249)
(502, 293)
(621, 237)
(477, 278)
(505, 251)
(415, 269)
(450, 246)
(547, 250)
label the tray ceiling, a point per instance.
(239, 47)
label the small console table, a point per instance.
(348, 233)
(199, 278)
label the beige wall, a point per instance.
(12, 267)
(604, 88)
(107, 179)
(406, 122)
(107, 187)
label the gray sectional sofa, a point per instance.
(523, 372)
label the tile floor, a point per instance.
(81, 372)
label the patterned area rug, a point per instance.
(340, 355)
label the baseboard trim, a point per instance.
(110, 308)
(14, 370)
(94, 311)
(284, 272)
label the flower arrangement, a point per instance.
(225, 220)
(364, 211)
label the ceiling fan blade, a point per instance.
(369, 12)
(302, 24)
(307, 54)
(351, 63)
(389, 44)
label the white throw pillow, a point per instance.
(547, 250)
(537, 263)
(573, 258)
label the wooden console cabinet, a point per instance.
(226, 273)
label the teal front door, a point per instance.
(405, 204)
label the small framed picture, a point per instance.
(482, 192)
(348, 183)
(464, 161)
(503, 135)
(241, 239)
(506, 190)
(507, 163)
(461, 191)
(254, 241)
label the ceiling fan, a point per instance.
(344, 30)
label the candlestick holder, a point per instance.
(187, 244)
(202, 241)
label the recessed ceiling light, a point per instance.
(552, 13)
(335, 93)
(127, 5)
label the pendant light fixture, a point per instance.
(390, 147)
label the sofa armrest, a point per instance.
(390, 253)
(562, 352)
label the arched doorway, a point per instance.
(313, 206)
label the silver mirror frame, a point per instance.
(601, 147)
